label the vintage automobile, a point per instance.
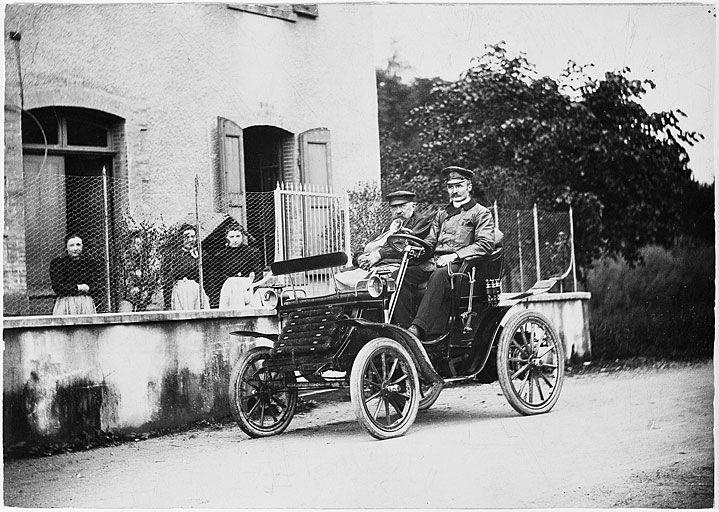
(347, 339)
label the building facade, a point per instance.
(174, 100)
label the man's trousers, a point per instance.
(433, 312)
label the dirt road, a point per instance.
(635, 438)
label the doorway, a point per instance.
(268, 160)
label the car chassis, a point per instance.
(346, 340)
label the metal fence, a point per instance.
(537, 244)
(144, 262)
(134, 263)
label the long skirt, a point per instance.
(186, 296)
(236, 294)
(74, 305)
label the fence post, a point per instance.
(106, 227)
(348, 242)
(571, 237)
(519, 244)
(536, 242)
(279, 225)
(201, 291)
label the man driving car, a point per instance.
(377, 252)
(462, 229)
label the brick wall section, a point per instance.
(14, 270)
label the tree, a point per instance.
(395, 101)
(575, 140)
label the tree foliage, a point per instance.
(531, 138)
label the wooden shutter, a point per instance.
(316, 171)
(288, 162)
(232, 168)
(316, 158)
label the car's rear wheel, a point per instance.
(429, 393)
(384, 388)
(261, 401)
(530, 363)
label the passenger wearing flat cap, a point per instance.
(462, 229)
(378, 253)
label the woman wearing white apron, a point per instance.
(75, 279)
(181, 285)
(240, 266)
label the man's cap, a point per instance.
(400, 197)
(453, 174)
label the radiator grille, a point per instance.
(308, 330)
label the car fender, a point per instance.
(258, 339)
(404, 338)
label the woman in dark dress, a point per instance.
(76, 280)
(240, 266)
(181, 275)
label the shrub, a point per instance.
(661, 308)
(368, 214)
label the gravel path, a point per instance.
(632, 438)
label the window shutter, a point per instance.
(232, 169)
(289, 160)
(316, 158)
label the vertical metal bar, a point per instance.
(571, 238)
(348, 245)
(519, 240)
(279, 225)
(106, 226)
(536, 242)
(201, 291)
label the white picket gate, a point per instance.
(310, 221)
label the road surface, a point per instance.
(632, 438)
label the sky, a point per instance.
(672, 45)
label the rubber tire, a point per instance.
(504, 345)
(234, 391)
(428, 400)
(369, 351)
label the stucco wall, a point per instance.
(569, 313)
(115, 372)
(170, 70)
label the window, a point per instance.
(67, 128)
(37, 123)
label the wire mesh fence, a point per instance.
(216, 251)
(532, 250)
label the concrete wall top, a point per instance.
(41, 322)
(564, 296)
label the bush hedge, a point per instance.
(661, 308)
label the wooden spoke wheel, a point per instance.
(260, 399)
(530, 363)
(384, 388)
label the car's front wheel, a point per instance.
(261, 401)
(384, 388)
